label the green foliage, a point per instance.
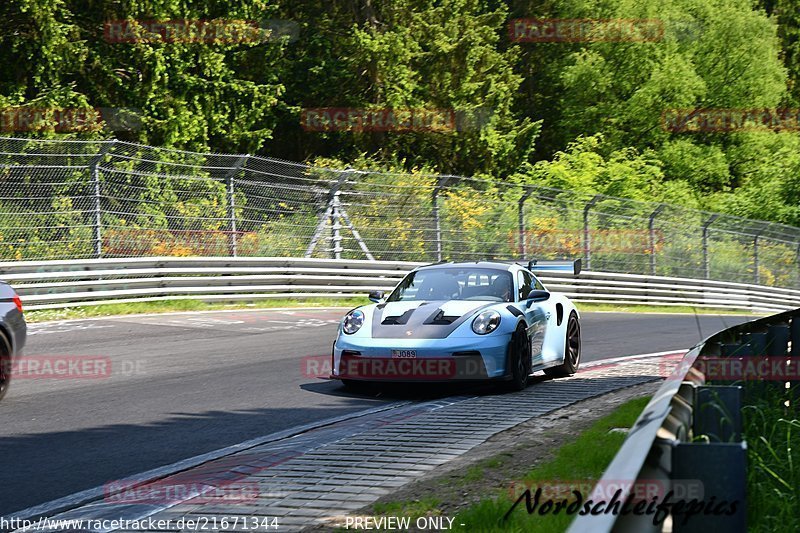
(769, 189)
(772, 432)
(583, 115)
(714, 54)
(583, 167)
(581, 461)
(410, 54)
(196, 95)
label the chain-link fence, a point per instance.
(80, 199)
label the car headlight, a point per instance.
(486, 322)
(353, 322)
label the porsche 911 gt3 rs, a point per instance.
(485, 320)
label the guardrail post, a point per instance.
(231, 192)
(720, 469)
(718, 413)
(98, 208)
(521, 214)
(754, 345)
(794, 332)
(436, 218)
(706, 264)
(719, 465)
(651, 225)
(777, 341)
(587, 241)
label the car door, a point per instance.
(534, 314)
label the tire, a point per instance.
(519, 360)
(572, 350)
(356, 386)
(5, 365)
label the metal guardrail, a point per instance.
(69, 283)
(692, 432)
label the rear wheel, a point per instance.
(572, 350)
(519, 360)
(5, 365)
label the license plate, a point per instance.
(404, 354)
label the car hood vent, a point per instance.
(417, 322)
(399, 320)
(440, 319)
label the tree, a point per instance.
(411, 54)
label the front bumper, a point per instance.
(437, 360)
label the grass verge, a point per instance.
(589, 307)
(169, 306)
(772, 432)
(583, 459)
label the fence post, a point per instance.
(522, 240)
(652, 227)
(231, 191)
(797, 263)
(706, 265)
(755, 259)
(336, 228)
(587, 242)
(98, 207)
(436, 218)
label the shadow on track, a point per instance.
(414, 391)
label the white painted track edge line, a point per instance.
(600, 362)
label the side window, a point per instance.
(525, 284)
(537, 284)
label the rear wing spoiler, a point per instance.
(544, 267)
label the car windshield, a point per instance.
(448, 283)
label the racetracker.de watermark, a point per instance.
(572, 241)
(385, 368)
(743, 368)
(204, 31)
(555, 30)
(605, 489)
(61, 367)
(719, 120)
(330, 119)
(166, 491)
(69, 119)
(74, 367)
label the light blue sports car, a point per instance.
(486, 320)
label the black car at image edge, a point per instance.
(13, 331)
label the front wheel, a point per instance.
(572, 350)
(519, 360)
(5, 365)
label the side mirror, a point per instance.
(376, 296)
(537, 296)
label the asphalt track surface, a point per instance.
(179, 385)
